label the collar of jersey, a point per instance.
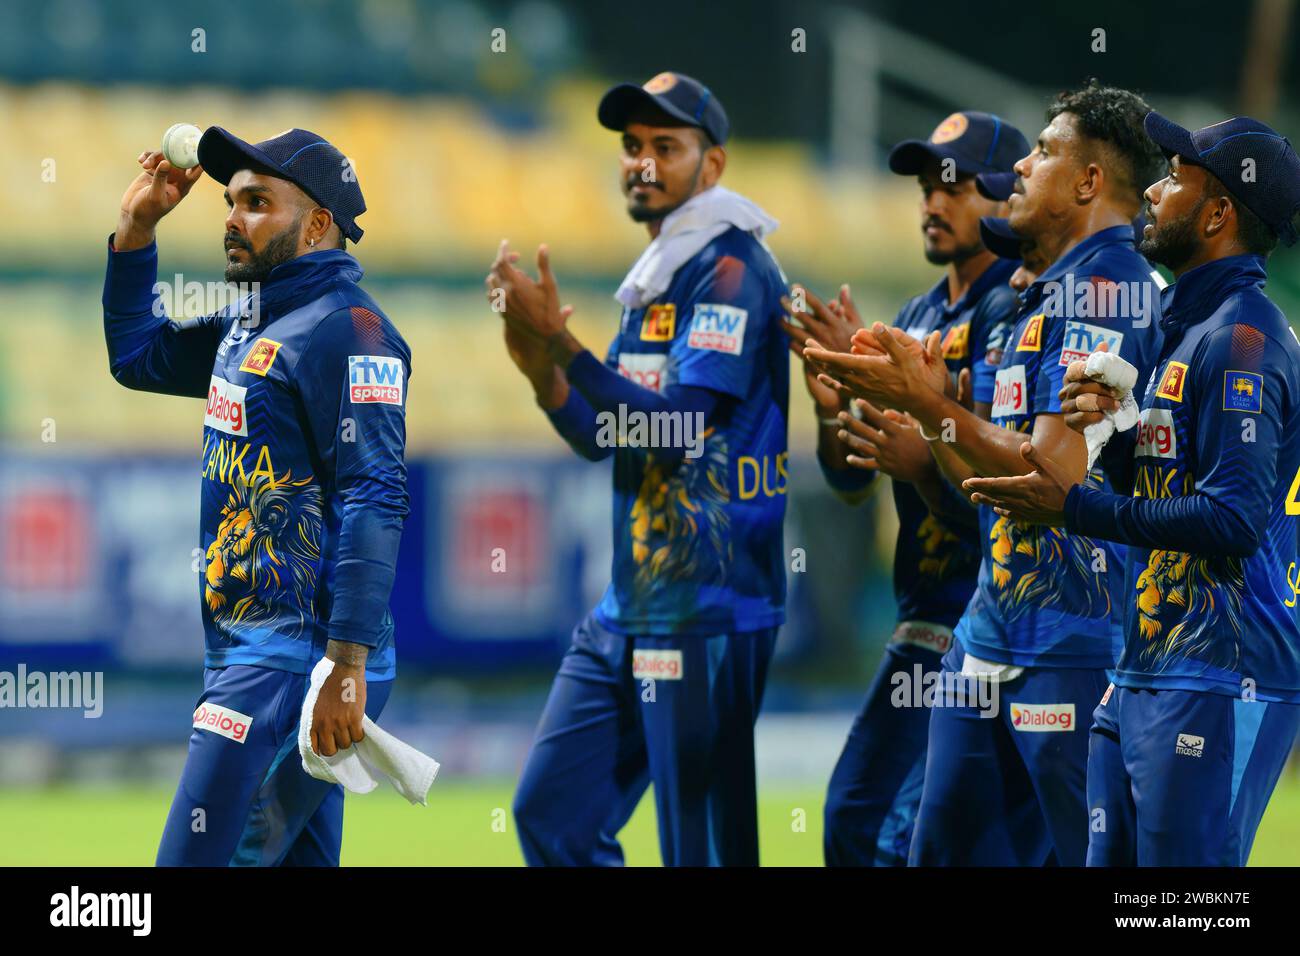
(1200, 291)
(1081, 253)
(307, 274)
(997, 274)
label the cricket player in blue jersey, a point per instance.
(1189, 741)
(664, 679)
(1005, 769)
(875, 788)
(303, 485)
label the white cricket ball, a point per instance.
(180, 145)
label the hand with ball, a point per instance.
(165, 180)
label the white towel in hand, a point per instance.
(1111, 370)
(683, 233)
(379, 753)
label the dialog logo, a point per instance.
(375, 378)
(1042, 718)
(227, 408)
(647, 369)
(1156, 436)
(1009, 392)
(224, 721)
(657, 664)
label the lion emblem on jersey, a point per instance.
(679, 520)
(263, 560)
(1185, 601)
(1037, 567)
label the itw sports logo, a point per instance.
(718, 328)
(1082, 339)
(375, 378)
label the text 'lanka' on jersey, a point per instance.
(1046, 597)
(698, 544)
(1220, 419)
(303, 477)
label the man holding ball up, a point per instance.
(303, 484)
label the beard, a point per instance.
(645, 214)
(279, 248)
(1172, 242)
(942, 257)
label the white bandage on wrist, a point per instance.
(1110, 370)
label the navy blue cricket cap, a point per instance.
(1273, 192)
(999, 238)
(307, 160)
(996, 186)
(677, 94)
(977, 142)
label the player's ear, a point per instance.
(1216, 215)
(715, 161)
(319, 221)
(1091, 182)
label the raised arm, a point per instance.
(146, 350)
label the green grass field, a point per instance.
(465, 824)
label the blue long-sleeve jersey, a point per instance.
(1212, 579)
(304, 432)
(1046, 598)
(697, 535)
(937, 557)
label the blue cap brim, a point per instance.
(1171, 138)
(623, 100)
(222, 154)
(909, 157)
(996, 186)
(999, 238)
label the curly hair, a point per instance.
(1113, 117)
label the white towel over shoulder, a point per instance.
(378, 754)
(682, 234)
(1111, 370)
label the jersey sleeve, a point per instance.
(1239, 395)
(990, 326)
(147, 351)
(352, 379)
(723, 328)
(1110, 320)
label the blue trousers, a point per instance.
(1008, 789)
(875, 789)
(243, 797)
(1181, 778)
(625, 711)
